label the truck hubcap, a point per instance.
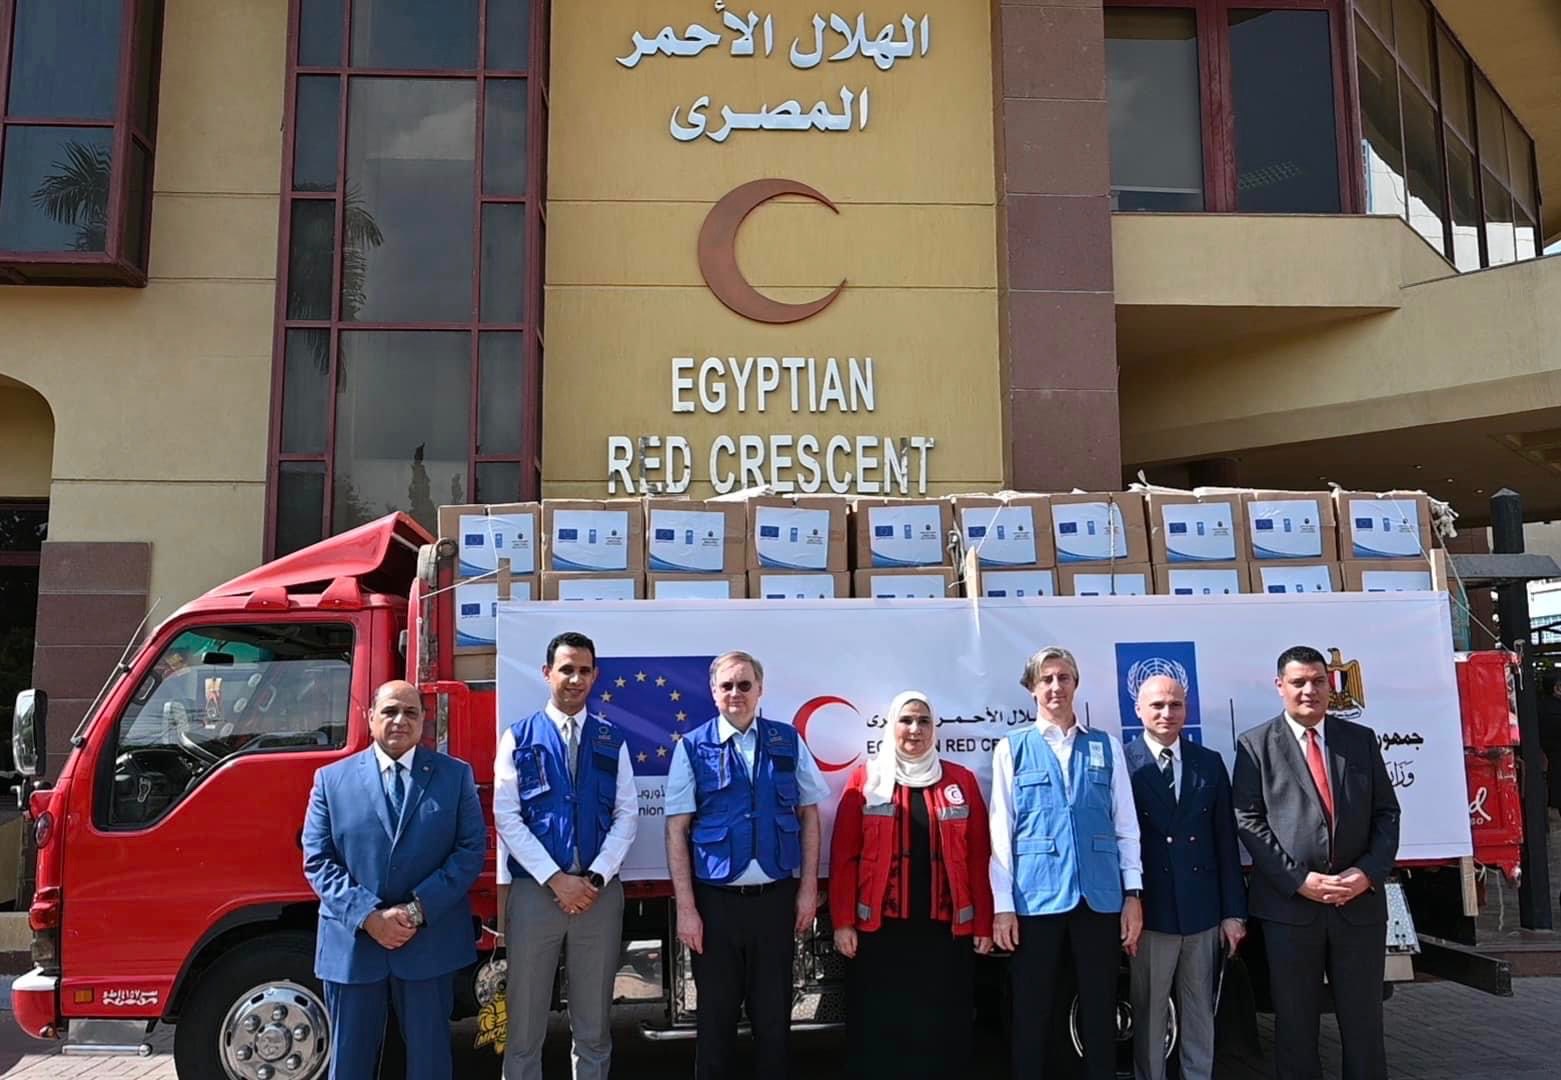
(276, 1031)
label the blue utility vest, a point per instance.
(1064, 835)
(741, 818)
(565, 817)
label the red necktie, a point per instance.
(1314, 761)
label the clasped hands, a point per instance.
(1335, 889)
(574, 893)
(392, 927)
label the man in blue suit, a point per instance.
(393, 842)
(1195, 903)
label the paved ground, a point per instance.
(1436, 1031)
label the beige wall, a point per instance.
(914, 239)
(26, 442)
(159, 395)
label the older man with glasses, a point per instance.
(742, 846)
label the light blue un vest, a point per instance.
(1063, 847)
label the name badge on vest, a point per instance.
(1097, 755)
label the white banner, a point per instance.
(832, 666)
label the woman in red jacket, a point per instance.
(911, 901)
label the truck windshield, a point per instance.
(223, 690)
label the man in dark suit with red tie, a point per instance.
(1316, 811)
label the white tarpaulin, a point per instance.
(831, 667)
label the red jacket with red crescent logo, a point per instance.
(869, 856)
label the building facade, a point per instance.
(274, 267)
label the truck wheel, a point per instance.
(257, 1014)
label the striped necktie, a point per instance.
(398, 792)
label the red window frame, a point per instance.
(535, 218)
(1216, 106)
(115, 265)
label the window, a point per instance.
(1225, 105)
(78, 118)
(23, 527)
(408, 353)
(219, 691)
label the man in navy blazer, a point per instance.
(1195, 903)
(393, 842)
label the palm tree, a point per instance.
(309, 279)
(77, 194)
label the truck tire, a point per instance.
(255, 1014)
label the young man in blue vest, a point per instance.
(1065, 866)
(564, 803)
(742, 823)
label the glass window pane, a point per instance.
(1156, 129)
(498, 481)
(1379, 13)
(305, 391)
(1455, 86)
(415, 35)
(411, 166)
(403, 424)
(1413, 25)
(300, 503)
(1520, 163)
(503, 263)
(137, 205)
(1465, 205)
(1527, 236)
(310, 258)
(509, 34)
(1500, 241)
(1287, 151)
(144, 78)
(1493, 142)
(315, 140)
(65, 60)
(501, 393)
(1424, 161)
(24, 528)
(319, 33)
(1382, 145)
(54, 190)
(504, 143)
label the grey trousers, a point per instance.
(1190, 964)
(536, 928)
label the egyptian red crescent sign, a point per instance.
(718, 253)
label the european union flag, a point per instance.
(655, 701)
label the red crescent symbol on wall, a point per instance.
(805, 715)
(718, 253)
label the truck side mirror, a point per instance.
(27, 732)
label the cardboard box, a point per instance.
(1388, 575)
(486, 534)
(1203, 579)
(1023, 583)
(901, 532)
(1196, 528)
(1006, 533)
(1123, 579)
(1291, 525)
(1392, 525)
(925, 582)
(696, 586)
(1099, 527)
(797, 585)
(1294, 576)
(476, 606)
(477, 666)
(687, 536)
(562, 585)
(805, 532)
(593, 537)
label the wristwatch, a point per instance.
(596, 880)
(415, 910)
(1134, 893)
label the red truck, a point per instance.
(169, 885)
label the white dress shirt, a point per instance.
(386, 763)
(1175, 747)
(1124, 815)
(1299, 730)
(520, 842)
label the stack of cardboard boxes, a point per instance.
(499, 546)
(1009, 549)
(1384, 540)
(695, 550)
(1102, 544)
(901, 548)
(593, 550)
(797, 548)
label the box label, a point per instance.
(1189, 581)
(687, 541)
(590, 540)
(1395, 581)
(791, 537)
(1018, 583)
(1296, 579)
(1000, 535)
(596, 588)
(907, 586)
(476, 608)
(1104, 584)
(797, 586)
(487, 538)
(1285, 528)
(906, 535)
(1385, 528)
(691, 590)
(1199, 532)
(1089, 532)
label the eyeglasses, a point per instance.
(742, 686)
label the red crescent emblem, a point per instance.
(805, 714)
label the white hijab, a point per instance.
(890, 767)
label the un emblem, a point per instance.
(1154, 667)
(1140, 661)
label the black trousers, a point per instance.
(1353, 956)
(746, 959)
(1095, 939)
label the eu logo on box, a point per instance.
(569, 534)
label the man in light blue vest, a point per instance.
(1065, 866)
(565, 804)
(742, 823)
